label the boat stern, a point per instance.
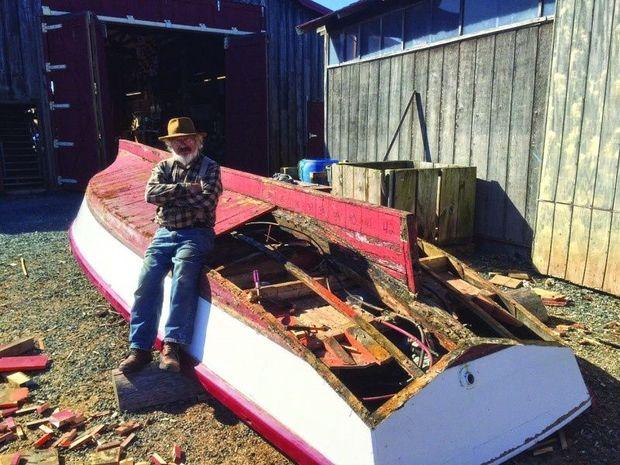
(487, 410)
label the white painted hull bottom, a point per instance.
(519, 396)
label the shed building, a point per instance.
(525, 90)
(123, 68)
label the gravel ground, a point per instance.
(85, 340)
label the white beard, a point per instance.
(184, 159)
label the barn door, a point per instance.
(72, 53)
(246, 104)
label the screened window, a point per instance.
(445, 19)
(429, 21)
(336, 48)
(392, 32)
(351, 43)
(417, 24)
(478, 16)
(370, 33)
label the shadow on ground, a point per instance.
(42, 212)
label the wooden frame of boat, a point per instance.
(347, 287)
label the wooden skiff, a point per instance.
(343, 354)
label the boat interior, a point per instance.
(346, 314)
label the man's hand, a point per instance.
(195, 188)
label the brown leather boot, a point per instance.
(136, 361)
(169, 357)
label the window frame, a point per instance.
(539, 19)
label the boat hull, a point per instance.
(519, 395)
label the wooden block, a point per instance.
(43, 440)
(531, 301)
(108, 445)
(563, 441)
(67, 438)
(128, 461)
(27, 410)
(62, 418)
(151, 387)
(128, 440)
(546, 294)
(24, 363)
(437, 263)
(520, 275)
(43, 407)
(35, 423)
(6, 437)
(81, 440)
(177, 454)
(46, 429)
(127, 428)
(543, 450)
(7, 412)
(10, 397)
(10, 424)
(156, 459)
(17, 347)
(500, 280)
(106, 457)
(18, 379)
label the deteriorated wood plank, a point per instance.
(151, 387)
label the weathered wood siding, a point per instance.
(484, 99)
(295, 65)
(20, 51)
(578, 231)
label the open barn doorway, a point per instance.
(158, 74)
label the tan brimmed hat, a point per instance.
(181, 127)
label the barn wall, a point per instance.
(578, 232)
(484, 99)
(295, 76)
(20, 51)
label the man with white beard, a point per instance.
(186, 188)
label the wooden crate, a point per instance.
(441, 196)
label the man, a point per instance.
(186, 188)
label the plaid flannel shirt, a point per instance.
(177, 206)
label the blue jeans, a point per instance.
(184, 252)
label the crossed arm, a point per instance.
(202, 194)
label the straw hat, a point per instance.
(181, 127)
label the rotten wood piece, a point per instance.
(24, 363)
(18, 347)
(514, 307)
(340, 306)
(151, 387)
(18, 379)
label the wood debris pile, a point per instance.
(48, 430)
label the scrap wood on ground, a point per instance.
(52, 436)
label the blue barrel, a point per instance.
(313, 165)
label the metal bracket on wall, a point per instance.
(60, 143)
(59, 106)
(62, 181)
(50, 27)
(50, 67)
